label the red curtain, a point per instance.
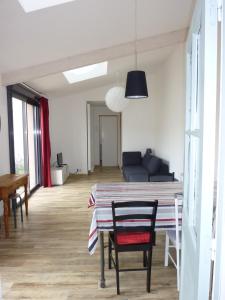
(45, 143)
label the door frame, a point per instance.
(118, 117)
(218, 289)
(26, 97)
(196, 242)
(90, 133)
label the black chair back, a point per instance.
(143, 212)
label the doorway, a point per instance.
(103, 136)
(108, 138)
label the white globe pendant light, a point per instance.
(115, 99)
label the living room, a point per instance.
(147, 123)
(148, 35)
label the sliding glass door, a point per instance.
(19, 134)
(24, 138)
(32, 144)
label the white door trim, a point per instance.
(219, 264)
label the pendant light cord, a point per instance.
(135, 33)
(136, 84)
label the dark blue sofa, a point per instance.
(149, 168)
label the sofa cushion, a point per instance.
(130, 238)
(135, 173)
(148, 151)
(164, 168)
(145, 160)
(132, 158)
(143, 177)
(135, 170)
(153, 165)
(161, 178)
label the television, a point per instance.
(59, 159)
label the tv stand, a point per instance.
(59, 174)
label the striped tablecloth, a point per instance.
(103, 194)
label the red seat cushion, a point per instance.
(129, 238)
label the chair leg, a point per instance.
(21, 209)
(149, 261)
(178, 266)
(166, 260)
(110, 254)
(144, 259)
(14, 211)
(117, 273)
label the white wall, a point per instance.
(68, 126)
(139, 121)
(170, 110)
(4, 141)
(158, 122)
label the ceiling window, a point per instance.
(87, 72)
(32, 5)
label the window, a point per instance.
(19, 136)
(87, 72)
(32, 5)
(193, 134)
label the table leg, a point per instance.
(26, 199)
(8, 204)
(6, 215)
(102, 260)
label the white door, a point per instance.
(108, 140)
(199, 152)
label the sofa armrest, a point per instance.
(131, 158)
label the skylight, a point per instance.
(32, 5)
(87, 72)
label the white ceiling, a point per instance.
(81, 26)
(117, 70)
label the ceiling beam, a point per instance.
(106, 54)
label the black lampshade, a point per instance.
(136, 86)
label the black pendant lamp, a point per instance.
(136, 85)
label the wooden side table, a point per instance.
(8, 185)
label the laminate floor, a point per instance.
(47, 257)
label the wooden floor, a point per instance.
(47, 257)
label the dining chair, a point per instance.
(14, 198)
(133, 230)
(173, 239)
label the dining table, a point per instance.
(102, 195)
(9, 183)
